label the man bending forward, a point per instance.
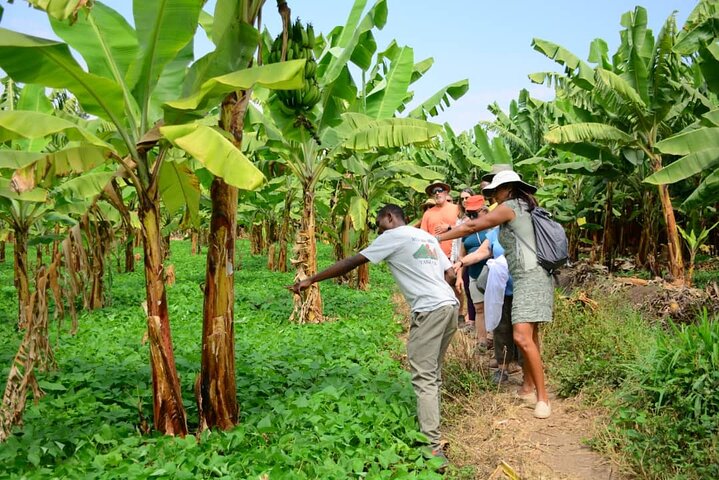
(424, 275)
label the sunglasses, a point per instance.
(472, 215)
(437, 190)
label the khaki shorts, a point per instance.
(478, 285)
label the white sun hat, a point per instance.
(505, 177)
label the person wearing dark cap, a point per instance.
(442, 217)
(533, 301)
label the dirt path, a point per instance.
(491, 427)
(494, 427)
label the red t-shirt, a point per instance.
(446, 214)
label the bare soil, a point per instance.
(487, 429)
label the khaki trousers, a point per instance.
(429, 337)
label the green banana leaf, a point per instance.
(84, 187)
(685, 167)
(364, 51)
(284, 76)
(358, 212)
(420, 68)
(582, 71)
(105, 40)
(36, 195)
(163, 29)
(32, 98)
(699, 29)
(618, 86)
(180, 188)
(30, 59)
(363, 133)
(332, 64)
(706, 192)
(235, 44)
(690, 142)
(640, 44)
(416, 184)
(587, 132)
(482, 140)
(17, 124)
(441, 99)
(384, 102)
(216, 153)
(73, 159)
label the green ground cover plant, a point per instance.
(590, 348)
(317, 401)
(667, 420)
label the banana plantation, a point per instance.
(153, 205)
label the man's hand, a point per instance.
(299, 286)
(459, 285)
(441, 228)
(457, 266)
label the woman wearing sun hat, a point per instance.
(533, 287)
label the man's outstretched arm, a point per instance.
(335, 270)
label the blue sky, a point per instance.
(488, 43)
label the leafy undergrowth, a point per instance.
(590, 347)
(317, 401)
(666, 420)
(659, 387)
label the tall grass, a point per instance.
(667, 417)
(590, 346)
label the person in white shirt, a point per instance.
(424, 275)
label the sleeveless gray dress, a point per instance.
(533, 299)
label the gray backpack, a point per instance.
(551, 240)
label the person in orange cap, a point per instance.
(474, 206)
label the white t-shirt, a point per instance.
(417, 263)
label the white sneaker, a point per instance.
(542, 410)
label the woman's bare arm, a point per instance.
(501, 214)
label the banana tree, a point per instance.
(697, 145)
(629, 104)
(131, 73)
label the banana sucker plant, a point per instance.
(132, 81)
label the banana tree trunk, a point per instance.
(363, 270)
(168, 411)
(129, 254)
(96, 266)
(22, 284)
(308, 305)
(215, 389)
(194, 243)
(676, 261)
(271, 233)
(607, 257)
(281, 263)
(257, 244)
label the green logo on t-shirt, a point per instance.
(425, 251)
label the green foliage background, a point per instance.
(317, 401)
